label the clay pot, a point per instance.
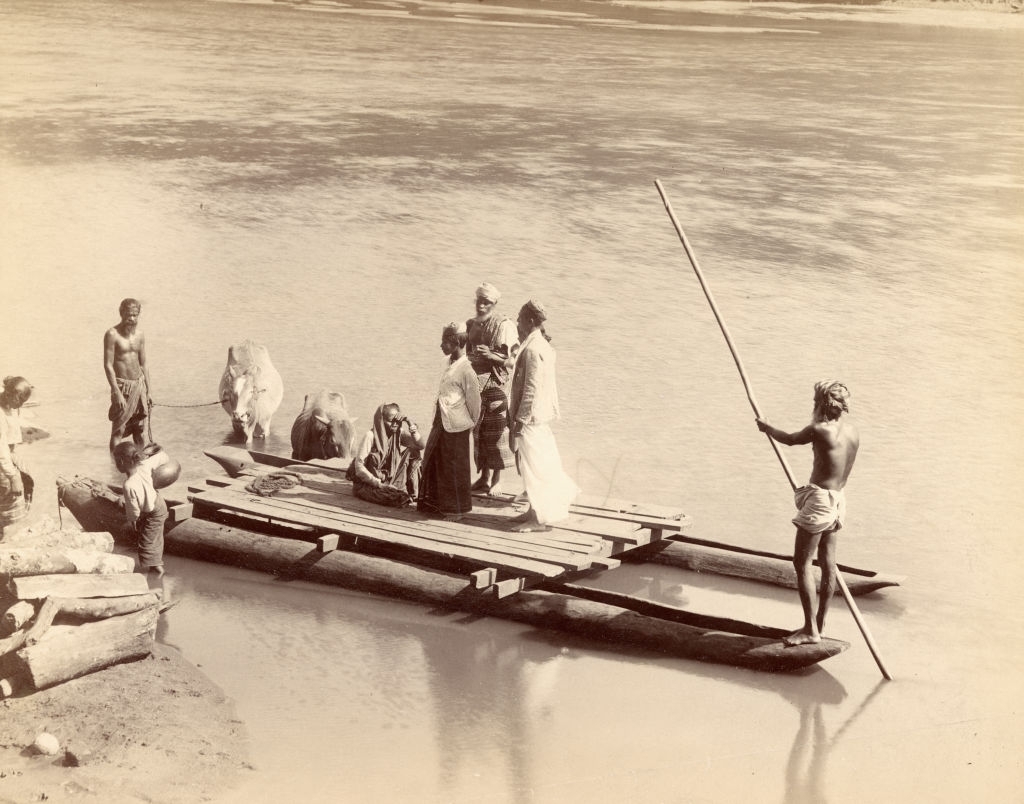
(166, 473)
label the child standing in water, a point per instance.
(144, 508)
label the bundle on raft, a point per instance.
(209, 529)
(70, 607)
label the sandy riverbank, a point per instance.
(152, 730)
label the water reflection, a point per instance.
(808, 757)
(489, 695)
(805, 768)
(464, 700)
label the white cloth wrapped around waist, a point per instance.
(819, 509)
(550, 490)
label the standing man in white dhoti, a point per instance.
(533, 404)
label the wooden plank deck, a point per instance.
(504, 561)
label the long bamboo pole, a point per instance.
(753, 404)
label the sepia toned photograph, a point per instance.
(511, 401)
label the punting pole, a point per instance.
(753, 403)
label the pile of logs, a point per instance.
(70, 606)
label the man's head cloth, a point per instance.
(832, 398)
(488, 292)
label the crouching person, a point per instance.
(386, 469)
(144, 508)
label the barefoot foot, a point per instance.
(801, 637)
(530, 527)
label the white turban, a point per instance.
(489, 292)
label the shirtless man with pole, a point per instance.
(124, 361)
(822, 503)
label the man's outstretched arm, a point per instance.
(805, 436)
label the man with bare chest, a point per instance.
(821, 504)
(124, 361)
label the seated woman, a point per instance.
(386, 468)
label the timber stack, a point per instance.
(70, 606)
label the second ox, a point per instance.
(323, 429)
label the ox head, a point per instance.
(239, 400)
(335, 435)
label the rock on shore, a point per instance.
(151, 730)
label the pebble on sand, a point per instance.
(46, 744)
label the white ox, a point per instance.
(250, 390)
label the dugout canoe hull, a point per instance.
(684, 635)
(678, 550)
(700, 555)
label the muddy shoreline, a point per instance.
(152, 730)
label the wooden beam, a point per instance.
(605, 563)
(327, 542)
(37, 587)
(179, 513)
(508, 587)
(481, 579)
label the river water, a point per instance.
(333, 180)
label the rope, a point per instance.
(199, 405)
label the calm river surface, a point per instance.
(334, 180)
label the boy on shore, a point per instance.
(821, 504)
(144, 508)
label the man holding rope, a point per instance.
(124, 361)
(821, 504)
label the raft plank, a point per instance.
(434, 532)
(644, 516)
(456, 533)
(486, 557)
(574, 534)
(236, 461)
(339, 493)
(375, 514)
(612, 505)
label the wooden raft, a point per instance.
(481, 545)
